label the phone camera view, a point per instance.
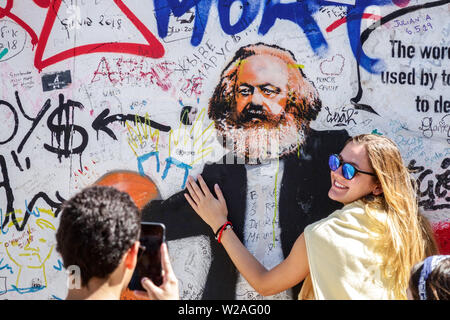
(149, 256)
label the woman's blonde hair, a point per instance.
(405, 237)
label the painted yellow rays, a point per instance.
(142, 133)
(188, 143)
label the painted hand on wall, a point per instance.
(189, 144)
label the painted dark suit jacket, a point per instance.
(303, 200)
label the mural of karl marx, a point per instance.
(273, 190)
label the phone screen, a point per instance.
(149, 256)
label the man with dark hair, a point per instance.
(99, 233)
(275, 178)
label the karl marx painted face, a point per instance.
(263, 103)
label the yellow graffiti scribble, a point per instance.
(42, 223)
(195, 135)
(18, 220)
(144, 130)
(11, 258)
(276, 201)
(24, 254)
(47, 211)
(28, 248)
(239, 64)
(296, 66)
(35, 253)
(15, 211)
(41, 267)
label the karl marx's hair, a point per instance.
(303, 99)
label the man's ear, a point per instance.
(378, 190)
(131, 256)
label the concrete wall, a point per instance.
(80, 82)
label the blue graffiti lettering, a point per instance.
(6, 266)
(37, 215)
(25, 290)
(1, 222)
(249, 13)
(354, 18)
(59, 266)
(163, 9)
(299, 12)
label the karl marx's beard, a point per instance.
(257, 136)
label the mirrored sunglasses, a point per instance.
(348, 170)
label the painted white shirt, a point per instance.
(262, 228)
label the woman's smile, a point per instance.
(338, 185)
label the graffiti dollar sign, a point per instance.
(66, 130)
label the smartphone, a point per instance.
(149, 256)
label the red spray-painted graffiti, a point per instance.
(154, 48)
(337, 23)
(134, 71)
(343, 20)
(6, 12)
(442, 234)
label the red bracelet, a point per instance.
(225, 226)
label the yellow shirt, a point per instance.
(342, 260)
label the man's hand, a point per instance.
(168, 290)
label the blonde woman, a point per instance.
(363, 251)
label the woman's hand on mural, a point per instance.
(211, 209)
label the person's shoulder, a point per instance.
(354, 208)
(350, 217)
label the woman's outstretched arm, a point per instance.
(267, 282)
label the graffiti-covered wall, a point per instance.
(88, 87)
